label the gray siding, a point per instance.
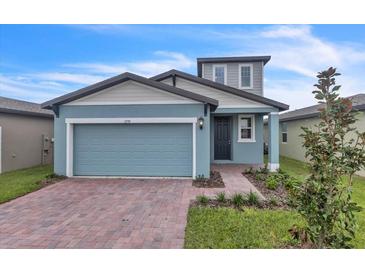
(21, 145)
(233, 75)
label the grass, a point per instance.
(230, 228)
(17, 183)
(258, 228)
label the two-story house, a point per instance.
(174, 124)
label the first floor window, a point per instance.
(246, 128)
(284, 133)
(219, 74)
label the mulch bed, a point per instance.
(215, 181)
(213, 203)
(280, 194)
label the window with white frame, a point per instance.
(246, 128)
(220, 74)
(245, 77)
(284, 133)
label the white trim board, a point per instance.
(132, 120)
(140, 120)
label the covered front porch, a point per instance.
(237, 137)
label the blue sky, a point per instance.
(40, 62)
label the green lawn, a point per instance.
(257, 228)
(17, 183)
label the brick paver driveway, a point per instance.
(102, 213)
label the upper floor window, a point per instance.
(284, 133)
(245, 76)
(220, 74)
(246, 128)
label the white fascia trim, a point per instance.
(132, 120)
(120, 103)
(225, 71)
(140, 120)
(251, 75)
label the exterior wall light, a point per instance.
(201, 122)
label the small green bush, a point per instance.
(221, 197)
(272, 182)
(273, 201)
(238, 199)
(253, 198)
(260, 177)
(202, 199)
(291, 182)
(264, 170)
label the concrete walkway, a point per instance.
(234, 180)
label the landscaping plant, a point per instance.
(202, 199)
(324, 199)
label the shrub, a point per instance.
(264, 170)
(221, 197)
(273, 201)
(260, 177)
(202, 199)
(291, 182)
(324, 199)
(253, 198)
(272, 182)
(238, 199)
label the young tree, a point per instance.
(324, 199)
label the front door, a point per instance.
(222, 138)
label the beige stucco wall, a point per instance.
(21, 140)
(294, 148)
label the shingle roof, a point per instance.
(9, 105)
(358, 102)
(123, 78)
(225, 88)
(200, 61)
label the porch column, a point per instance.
(273, 124)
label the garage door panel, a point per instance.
(133, 150)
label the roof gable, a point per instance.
(108, 83)
(225, 99)
(224, 88)
(130, 93)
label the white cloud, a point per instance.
(85, 79)
(297, 50)
(44, 85)
(165, 60)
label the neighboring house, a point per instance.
(26, 131)
(292, 121)
(171, 125)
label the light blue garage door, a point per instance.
(133, 150)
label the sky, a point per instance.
(40, 62)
